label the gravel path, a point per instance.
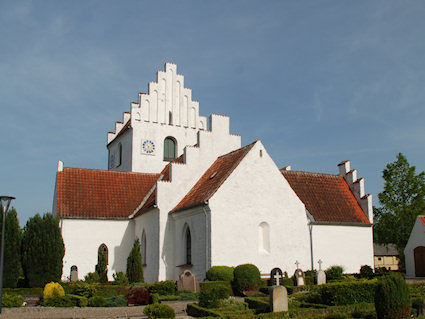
(87, 312)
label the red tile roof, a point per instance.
(91, 193)
(213, 178)
(422, 217)
(327, 197)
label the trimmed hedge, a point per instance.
(392, 300)
(80, 288)
(258, 304)
(344, 293)
(78, 301)
(97, 301)
(157, 310)
(209, 285)
(64, 301)
(162, 288)
(246, 276)
(11, 300)
(220, 273)
(196, 311)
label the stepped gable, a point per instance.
(213, 178)
(327, 197)
(92, 193)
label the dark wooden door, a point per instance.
(419, 253)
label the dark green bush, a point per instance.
(157, 310)
(220, 273)
(11, 300)
(343, 293)
(78, 301)
(209, 285)
(97, 301)
(134, 263)
(64, 301)
(116, 301)
(246, 277)
(334, 273)
(366, 272)
(92, 277)
(207, 299)
(381, 271)
(392, 299)
(187, 295)
(120, 279)
(310, 277)
(80, 288)
(167, 287)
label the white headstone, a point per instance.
(300, 277)
(278, 299)
(320, 275)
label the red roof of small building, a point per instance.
(213, 178)
(91, 193)
(327, 197)
(422, 218)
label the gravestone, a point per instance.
(276, 277)
(74, 273)
(188, 282)
(320, 275)
(278, 299)
(299, 276)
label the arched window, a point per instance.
(188, 244)
(169, 149)
(143, 248)
(264, 238)
(102, 253)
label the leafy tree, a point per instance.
(134, 264)
(12, 249)
(402, 200)
(42, 250)
(102, 263)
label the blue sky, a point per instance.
(317, 82)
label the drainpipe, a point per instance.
(207, 235)
(310, 228)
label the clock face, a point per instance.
(148, 146)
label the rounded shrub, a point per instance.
(166, 287)
(334, 273)
(246, 277)
(120, 279)
(116, 301)
(157, 310)
(81, 288)
(392, 299)
(11, 300)
(53, 290)
(207, 299)
(366, 272)
(220, 273)
(62, 301)
(97, 301)
(138, 296)
(92, 277)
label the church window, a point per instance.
(264, 238)
(143, 248)
(169, 149)
(188, 250)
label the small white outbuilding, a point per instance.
(196, 198)
(414, 251)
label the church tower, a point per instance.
(157, 128)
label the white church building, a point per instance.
(196, 198)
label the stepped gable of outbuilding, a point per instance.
(327, 197)
(213, 178)
(92, 193)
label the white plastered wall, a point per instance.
(347, 246)
(149, 222)
(82, 238)
(113, 149)
(417, 238)
(254, 193)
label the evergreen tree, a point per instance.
(402, 200)
(102, 263)
(12, 249)
(134, 264)
(42, 250)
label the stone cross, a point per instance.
(298, 264)
(320, 262)
(277, 278)
(276, 275)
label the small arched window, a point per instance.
(188, 245)
(169, 149)
(264, 238)
(143, 248)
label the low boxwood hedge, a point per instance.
(258, 304)
(209, 285)
(196, 311)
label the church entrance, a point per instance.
(419, 253)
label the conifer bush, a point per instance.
(102, 264)
(334, 273)
(220, 273)
(53, 290)
(246, 277)
(92, 277)
(392, 299)
(134, 264)
(97, 301)
(120, 279)
(366, 272)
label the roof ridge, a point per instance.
(239, 149)
(107, 171)
(307, 172)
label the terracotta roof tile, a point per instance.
(327, 197)
(422, 217)
(91, 193)
(213, 178)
